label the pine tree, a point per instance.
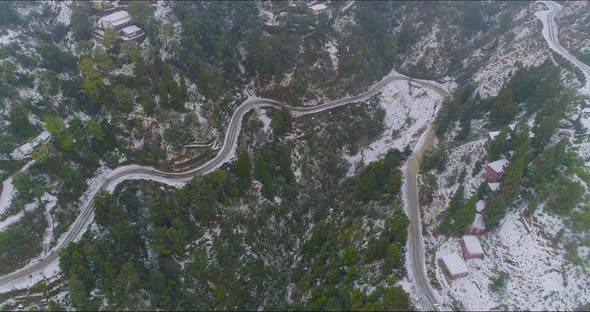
(109, 38)
(495, 211)
(466, 215)
(244, 170)
(458, 199)
(512, 180)
(263, 175)
(500, 145)
(504, 108)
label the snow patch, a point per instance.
(409, 109)
(332, 48)
(8, 190)
(16, 217)
(264, 119)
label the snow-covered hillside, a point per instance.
(409, 110)
(539, 277)
(498, 56)
(574, 30)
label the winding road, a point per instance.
(47, 265)
(550, 33)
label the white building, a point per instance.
(26, 149)
(131, 32)
(454, 266)
(317, 9)
(117, 20)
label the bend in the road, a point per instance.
(224, 154)
(415, 239)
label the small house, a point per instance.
(117, 20)
(317, 9)
(477, 227)
(453, 266)
(495, 170)
(131, 32)
(471, 247)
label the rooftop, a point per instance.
(480, 206)
(455, 265)
(43, 136)
(499, 165)
(472, 244)
(318, 7)
(493, 134)
(113, 17)
(26, 149)
(478, 222)
(494, 186)
(121, 21)
(130, 29)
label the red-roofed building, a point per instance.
(477, 227)
(471, 247)
(453, 266)
(495, 170)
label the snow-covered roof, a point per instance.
(318, 7)
(499, 165)
(454, 264)
(478, 222)
(23, 151)
(494, 186)
(472, 244)
(42, 137)
(121, 22)
(115, 19)
(480, 206)
(493, 134)
(117, 16)
(130, 29)
(512, 127)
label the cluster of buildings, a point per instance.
(453, 265)
(118, 19)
